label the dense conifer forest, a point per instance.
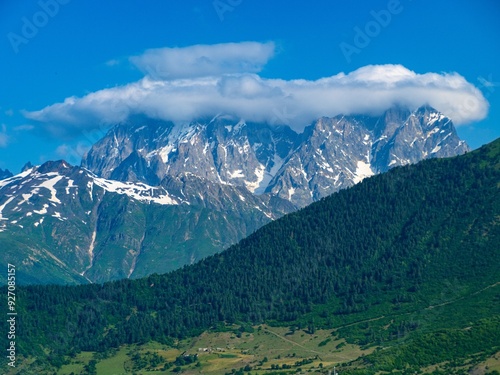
(395, 244)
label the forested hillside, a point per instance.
(410, 239)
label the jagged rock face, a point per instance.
(325, 161)
(339, 152)
(221, 151)
(331, 154)
(420, 135)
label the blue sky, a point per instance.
(56, 49)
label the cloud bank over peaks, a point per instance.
(184, 84)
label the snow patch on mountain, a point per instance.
(268, 175)
(49, 184)
(435, 116)
(236, 174)
(71, 185)
(43, 211)
(15, 178)
(259, 173)
(363, 170)
(3, 206)
(36, 224)
(436, 149)
(164, 152)
(137, 191)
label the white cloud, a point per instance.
(204, 60)
(226, 83)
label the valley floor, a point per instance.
(257, 350)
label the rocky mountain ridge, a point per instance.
(330, 154)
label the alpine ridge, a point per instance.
(66, 225)
(329, 155)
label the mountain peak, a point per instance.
(331, 153)
(426, 108)
(27, 166)
(54, 166)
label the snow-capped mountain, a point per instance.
(51, 187)
(152, 196)
(65, 224)
(338, 152)
(331, 154)
(223, 150)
